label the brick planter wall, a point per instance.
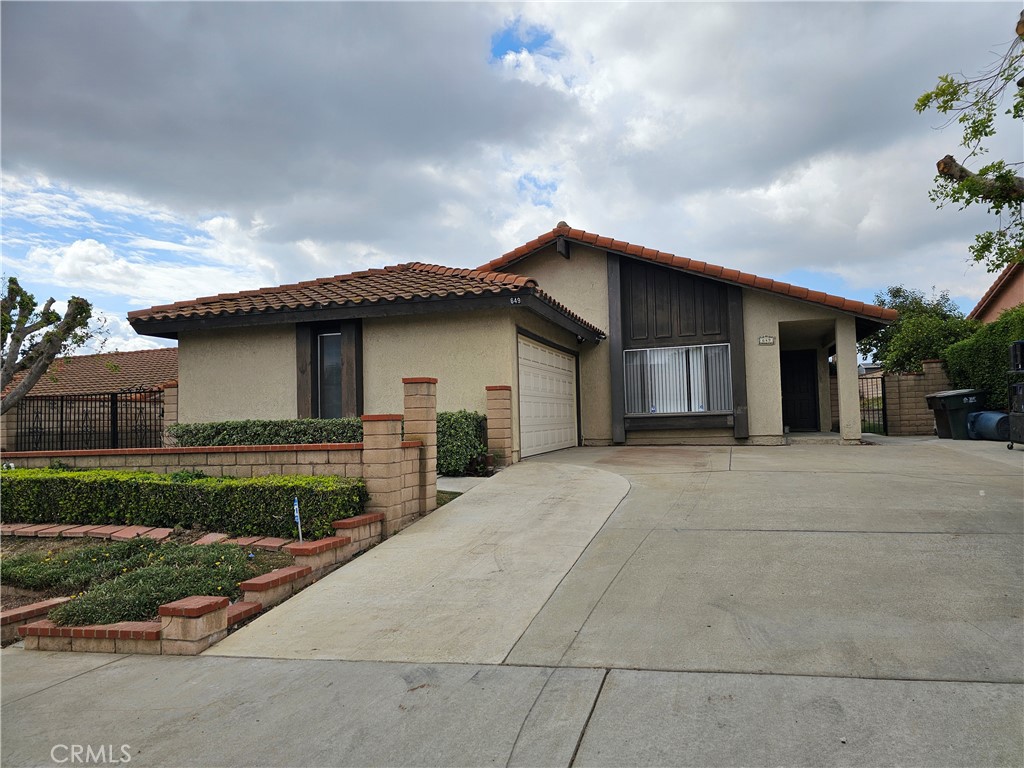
(400, 475)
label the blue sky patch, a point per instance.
(538, 192)
(516, 37)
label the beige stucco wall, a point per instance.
(581, 284)
(762, 315)
(465, 352)
(238, 373)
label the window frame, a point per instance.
(687, 389)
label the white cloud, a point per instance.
(92, 268)
(289, 142)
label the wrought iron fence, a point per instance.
(125, 419)
(872, 405)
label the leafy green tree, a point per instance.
(33, 337)
(973, 103)
(925, 328)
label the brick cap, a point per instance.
(420, 380)
(499, 388)
(358, 520)
(275, 578)
(299, 549)
(194, 607)
(383, 417)
(30, 611)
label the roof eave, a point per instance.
(170, 328)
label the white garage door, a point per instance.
(547, 399)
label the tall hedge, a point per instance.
(461, 436)
(461, 443)
(268, 432)
(982, 361)
(260, 506)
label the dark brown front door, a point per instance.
(800, 390)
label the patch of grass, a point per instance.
(74, 570)
(443, 497)
(129, 581)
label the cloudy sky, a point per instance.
(159, 152)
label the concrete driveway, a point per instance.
(816, 605)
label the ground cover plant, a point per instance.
(128, 581)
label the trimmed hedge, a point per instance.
(267, 432)
(982, 361)
(240, 506)
(461, 436)
(461, 443)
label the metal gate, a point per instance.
(126, 419)
(872, 405)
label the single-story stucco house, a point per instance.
(601, 341)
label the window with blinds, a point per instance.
(671, 380)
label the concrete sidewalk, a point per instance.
(813, 605)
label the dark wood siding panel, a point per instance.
(304, 373)
(636, 301)
(615, 315)
(712, 306)
(663, 307)
(686, 325)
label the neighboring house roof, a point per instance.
(107, 372)
(1006, 291)
(359, 292)
(704, 269)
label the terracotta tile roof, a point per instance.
(390, 285)
(691, 265)
(1002, 281)
(108, 372)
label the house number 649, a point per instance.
(515, 300)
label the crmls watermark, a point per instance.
(87, 754)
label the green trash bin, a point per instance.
(951, 409)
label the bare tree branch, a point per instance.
(21, 323)
(950, 169)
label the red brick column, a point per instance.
(420, 406)
(382, 467)
(499, 424)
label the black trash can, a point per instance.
(951, 408)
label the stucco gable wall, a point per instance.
(581, 284)
(465, 352)
(237, 373)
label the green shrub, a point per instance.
(982, 361)
(461, 443)
(239, 506)
(267, 432)
(171, 572)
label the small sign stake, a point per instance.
(298, 520)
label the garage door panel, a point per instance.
(547, 399)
